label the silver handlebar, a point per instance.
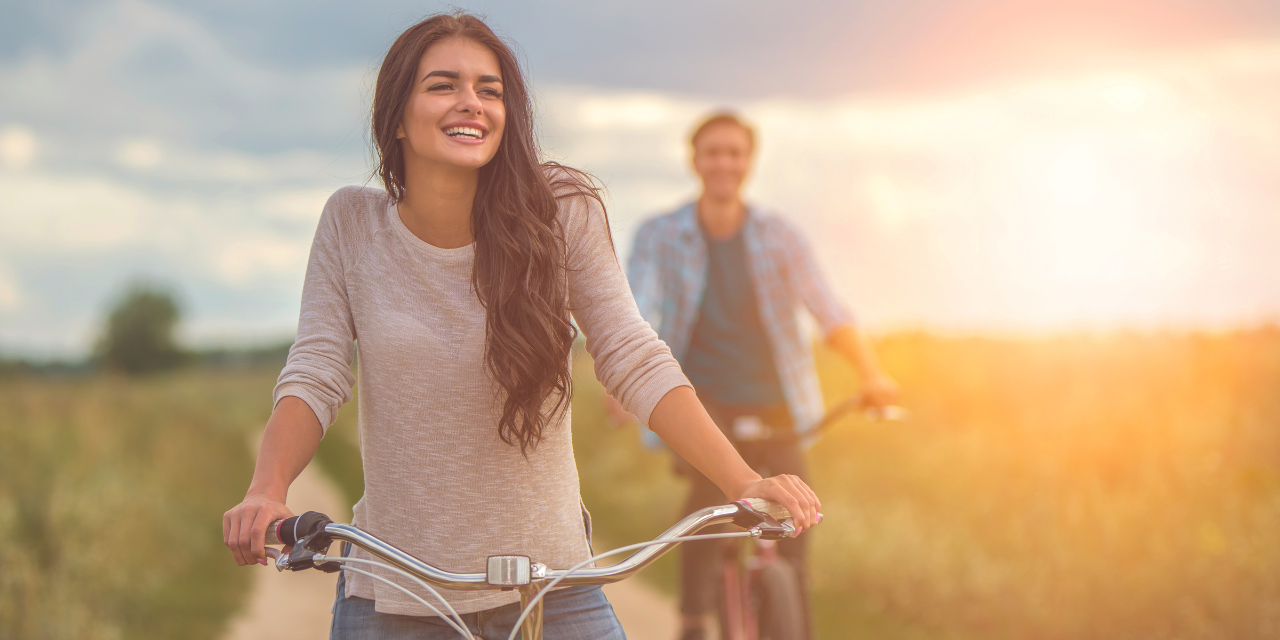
(532, 572)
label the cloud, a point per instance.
(139, 78)
(1116, 198)
(10, 294)
(76, 239)
(1140, 195)
(17, 147)
(139, 153)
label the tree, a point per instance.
(139, 332)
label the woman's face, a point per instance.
(455, 114)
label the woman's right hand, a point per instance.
(244, 527)
(791, 492)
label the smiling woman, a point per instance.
(458, 282)
(437, 132)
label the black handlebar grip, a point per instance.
(276, 532)
(290, 530)
(287, 531)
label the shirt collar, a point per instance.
(688, 220)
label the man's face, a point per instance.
(722, 159)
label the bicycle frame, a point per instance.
(530, 578)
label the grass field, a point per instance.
(1075, 487)
(111, 499)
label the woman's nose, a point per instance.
(470, 102)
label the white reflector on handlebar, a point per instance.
(508, 571)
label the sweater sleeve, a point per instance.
(318, 370)
(631, 362)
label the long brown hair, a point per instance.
(520, 261)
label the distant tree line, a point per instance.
(139, 337)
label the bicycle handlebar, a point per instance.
(311, 534)
(891, 413)
(756, 431)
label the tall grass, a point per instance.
(1126, 486)
(111, 498)
(1075, 487)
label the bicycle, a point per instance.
(760, 594)
(309, 536)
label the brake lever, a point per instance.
(302, 556)
(754, 520)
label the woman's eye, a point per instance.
(493, 93)
(439, 85)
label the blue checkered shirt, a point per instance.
(668, 274)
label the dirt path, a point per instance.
(645, 613)
(287, 606)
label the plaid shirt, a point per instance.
(668, 274)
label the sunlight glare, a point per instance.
(1073, 176)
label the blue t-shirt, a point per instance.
(730, 360)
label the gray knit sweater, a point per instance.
(439, 483)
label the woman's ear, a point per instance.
(399, 131)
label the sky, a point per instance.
(962, 166)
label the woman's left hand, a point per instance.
(792, 493)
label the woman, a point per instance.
(458, 281)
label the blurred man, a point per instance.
(720, 281)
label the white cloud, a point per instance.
(57, 213)
(1113, 198)
(140, 153)
(243, 260)
(17, 146)
(10, 294)
(1116, 198)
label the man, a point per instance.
(720, 281)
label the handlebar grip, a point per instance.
(280, 529)
(775, 510)
(291, 530)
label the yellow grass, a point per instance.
(1076, 487)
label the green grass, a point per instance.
(111, 499)
(1075, 487)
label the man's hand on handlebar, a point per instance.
(244, 527)
(791, 492)
(879, 391)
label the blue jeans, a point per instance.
(574, 613)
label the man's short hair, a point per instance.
(723, 117)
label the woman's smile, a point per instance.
(468, 132)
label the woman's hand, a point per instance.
(244, 527)
(791, 492)
(288, 443)
(683, 423)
